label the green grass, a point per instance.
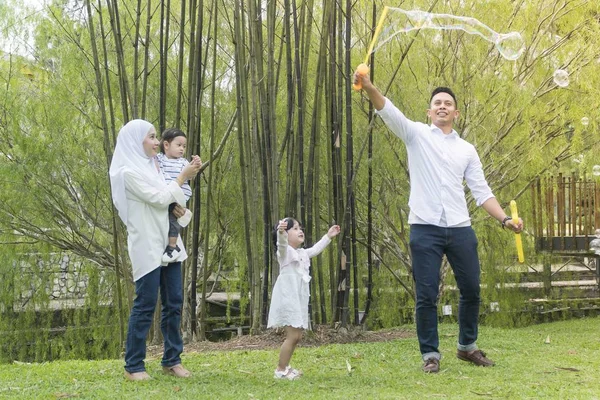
(527, 368)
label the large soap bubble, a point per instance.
(510, 45)
(396, 20)
(585, 121)
(596, 170)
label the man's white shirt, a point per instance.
(438, 165)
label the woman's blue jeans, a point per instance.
(168, 280)
(428, 244)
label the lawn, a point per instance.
(527, 368)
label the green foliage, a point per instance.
(392, 305)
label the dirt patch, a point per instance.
(321, 335)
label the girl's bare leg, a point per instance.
(292, 337)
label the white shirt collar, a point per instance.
(452, 134)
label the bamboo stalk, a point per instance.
(314, 170)
(180, 62)
(350, 212)
(253, 148)
(369, 297)
(195, 134)
(113, 132)
(136, 49)
(205, 267)
(331, 125)
(126, 98)
(165, 18)
(342, 278)
(145, 70)
(242, 129)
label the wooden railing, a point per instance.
(566, 212)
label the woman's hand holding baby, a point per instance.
(178, 211)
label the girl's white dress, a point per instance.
(289, 301)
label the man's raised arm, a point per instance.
(372, 92)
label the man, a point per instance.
(439, 160)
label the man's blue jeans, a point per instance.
(168, 280)
(428, 243)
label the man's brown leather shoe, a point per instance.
(137, 376)
(431, 366)
(178, 371)
(476, 357)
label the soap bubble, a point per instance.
(596, 170)
(510, 45)
(585, 121)
(561, 78)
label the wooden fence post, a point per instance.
(547, 275)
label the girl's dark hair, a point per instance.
(168, 135)
(290, 224)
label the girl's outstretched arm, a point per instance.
(325, 240)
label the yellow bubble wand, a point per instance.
(515, 220)
(363, 69)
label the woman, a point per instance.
(142, 198)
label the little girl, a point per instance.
(289, 302)
(171, 161)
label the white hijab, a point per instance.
(129, 155)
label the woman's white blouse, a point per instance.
(148, 222)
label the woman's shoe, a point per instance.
(178, 371)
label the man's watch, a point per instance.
(507, 218)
